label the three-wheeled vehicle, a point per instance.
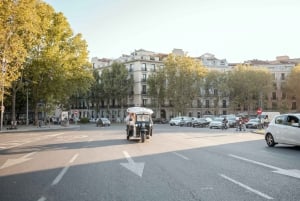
(139, 123)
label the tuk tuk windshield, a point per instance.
(143, 117)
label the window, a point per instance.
(283, 95)
(215, 92)
(292, 120)
(207, 103)
(279, 120)
(153, 68)
(144, 68)
(130, 67)
(282, 76)
(144, 102)
(199, 104)
(144, 91)
(198, 114)
(224, 103)
(144, 79)
(274, 95)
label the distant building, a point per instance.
(142, 63)
(212, 63)
(280, 69)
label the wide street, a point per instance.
(176, 164)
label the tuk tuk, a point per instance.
(139, 123)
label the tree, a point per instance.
(292, 86)
(183, 76)
(18, 29)
(96, 91)
(116, 84)
(58, 65)
(248, 86)
(216, 82)
(157, 89)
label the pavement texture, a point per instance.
(32, 128)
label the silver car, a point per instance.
(284, 129)
(216, 123)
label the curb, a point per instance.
(260, 132)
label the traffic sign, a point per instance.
(259, 111)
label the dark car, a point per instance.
(253, 123)
(200, 122)
(102, 122)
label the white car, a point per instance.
(176, 121)
(216, 123)
(283, 129)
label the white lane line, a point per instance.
(60, 176)
(63, 171)
(287, 172)
(247, 187)
(255, 162)
(73, 158)
(42, 199)
(181, 156)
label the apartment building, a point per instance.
(280, 69)
(142, 63)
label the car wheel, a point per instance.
(270, 140)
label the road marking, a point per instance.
(13, 144)
(74, 158)
(136, 168)
(181, 156)
(60, 176)
(247, 187)
(63, 171)
(292, 173)
(16, 161)
(42, 199)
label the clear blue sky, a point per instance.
(236, 30)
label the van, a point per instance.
(271, 115)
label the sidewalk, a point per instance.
(32, 128)
(259, 131)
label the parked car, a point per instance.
(216, 123)
(103, 122)
(253, 123)
(284, 129)
(201, 122)
(186, 121)
(175, 121)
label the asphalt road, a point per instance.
(177, 163)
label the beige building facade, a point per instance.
(142, 63)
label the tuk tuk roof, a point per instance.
(140, 110)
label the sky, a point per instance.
(236, 30)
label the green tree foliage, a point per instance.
(183, 75)
(18, 30)
(97, 91)
(292, 86)
(216, 81)
(57, 66)
(248, 86)
(115, 84)
(157, 88)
